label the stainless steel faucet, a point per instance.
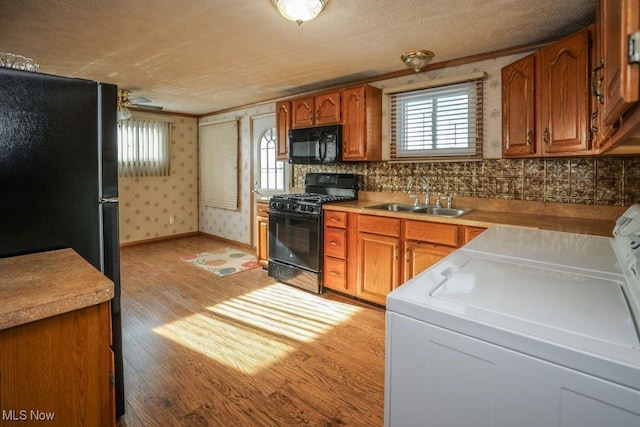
(416, 196)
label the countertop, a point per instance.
(486, 218)
(41, 285)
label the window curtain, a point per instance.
(218, 164)
(144, 147)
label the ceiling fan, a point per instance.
(125, 102)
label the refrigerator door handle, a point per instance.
(109, 200)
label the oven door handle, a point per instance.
(293, 215)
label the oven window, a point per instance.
(295, 241)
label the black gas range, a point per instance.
(295, 228)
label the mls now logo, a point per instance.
(24, 415)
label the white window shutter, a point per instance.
(218, 159)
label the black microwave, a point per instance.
(320, 145)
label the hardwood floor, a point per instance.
(243, 350)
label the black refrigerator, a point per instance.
(59, 176)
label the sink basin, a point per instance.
(421, 209)
(395, 207)
(448, 212)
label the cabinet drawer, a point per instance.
(335, 219)
(335, 242)
(445, 234)
(335, 273)
(262, 209)
(379, 225)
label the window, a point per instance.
(218, 164)
(271, 170)
(437, 123)
(143, 147)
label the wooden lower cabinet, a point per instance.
(469, 233)
(58, 371)
(421, 255)
(379, 269)
(337, 251)
(373, 255)
(262, 233)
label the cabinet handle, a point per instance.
(395, 252)
(334, 273)
(318, 115)
(334, 219)
(406, 255)
(334, 243)
(596, 86)
(546, 136)
(530, 138)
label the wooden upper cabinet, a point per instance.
(323, 109)
(518, 108)
(302, 112)
(545, 101)
(327, 108)
(283, 124)
(362, 124)
(621, 80)
(564, 102)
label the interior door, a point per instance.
(270, 176)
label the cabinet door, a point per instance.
(262, 245)
(283, 124)
(378, 264)
(60, 367)
(600, 132)
(563, 95)
(302, 112)
(327, 108)
(418, 256)
(362, 123)
(354, 143)
(621, 80)
(518, 108)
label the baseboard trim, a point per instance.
(159, 239)
(231, 242)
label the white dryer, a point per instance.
(520, 327)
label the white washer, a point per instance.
(520, 327)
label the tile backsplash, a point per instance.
(580, 180)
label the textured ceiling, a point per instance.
(201, 56)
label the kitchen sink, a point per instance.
(449, 212)
(394, 207)
(421, 209)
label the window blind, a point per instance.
(437, 123)
(143, 147)
(218, 161)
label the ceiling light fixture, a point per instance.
(123, 103)
(417, 59)
(300, 10)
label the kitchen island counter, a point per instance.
(45, 284)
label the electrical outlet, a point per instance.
(171, 219)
